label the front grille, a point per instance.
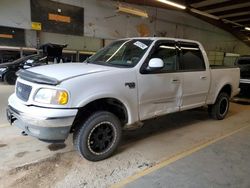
(23, 91)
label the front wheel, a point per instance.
(220, 108)
(10, 77)
(98, 137)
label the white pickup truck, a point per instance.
(121, 86)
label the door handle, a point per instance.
(175, 81)
(203, 77)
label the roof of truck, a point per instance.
(162, 38)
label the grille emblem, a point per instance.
(23, 91)
(19, 89)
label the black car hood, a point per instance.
(17, 61)
(9, 64)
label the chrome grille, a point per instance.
(23, 91)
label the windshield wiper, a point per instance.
(121, 65)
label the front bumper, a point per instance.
(244, 81)
(1, 76)
(47, 124)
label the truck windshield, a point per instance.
(122, 53)
(244, 62)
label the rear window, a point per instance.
(191, 58)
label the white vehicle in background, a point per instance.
(123, 84)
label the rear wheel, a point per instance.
(10, 77)
(220, 108)
(98, 137)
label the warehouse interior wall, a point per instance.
(102, 22)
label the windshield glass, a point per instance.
(244, 62)
(34, 59)
(122, 53)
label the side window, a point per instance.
(166, 52)
(191, 58)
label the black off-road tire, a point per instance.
(98, 137)
(220, 108)
(10, 77)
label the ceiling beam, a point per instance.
(194, 1)
(245, 22)
(225, 12)
(242, 20)
(233, 18)
(223, 4)
(227, 27)
(231, 7)
(205, 3)
(244, 14)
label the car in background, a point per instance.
(50, 53)
(8, 70)
(243, 62)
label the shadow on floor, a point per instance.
(164, 124)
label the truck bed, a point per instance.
(221, 76)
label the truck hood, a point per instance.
(66, 71)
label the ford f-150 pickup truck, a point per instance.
(121, 86)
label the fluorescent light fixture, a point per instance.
(132, 10)
(204, 14)
(172, 4)
(247, 28)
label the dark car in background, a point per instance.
(49, 53)
(243, 62)
(8, 70)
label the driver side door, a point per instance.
(160, 91)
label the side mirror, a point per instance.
(155, 64)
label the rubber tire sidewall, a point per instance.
(81, 135)
(7, 77)
(214, 110)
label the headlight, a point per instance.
(3, 69)
(51, 96)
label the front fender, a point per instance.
(131, 108)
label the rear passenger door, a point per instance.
(196, 77)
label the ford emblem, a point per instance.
(19, 89)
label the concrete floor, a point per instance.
(27, 162)
(5, 91)
(223, 164)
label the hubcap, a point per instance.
(223, 106)
(101, 138)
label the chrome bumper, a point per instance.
(244, 81)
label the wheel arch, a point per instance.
(227, 88)
(110, 104)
